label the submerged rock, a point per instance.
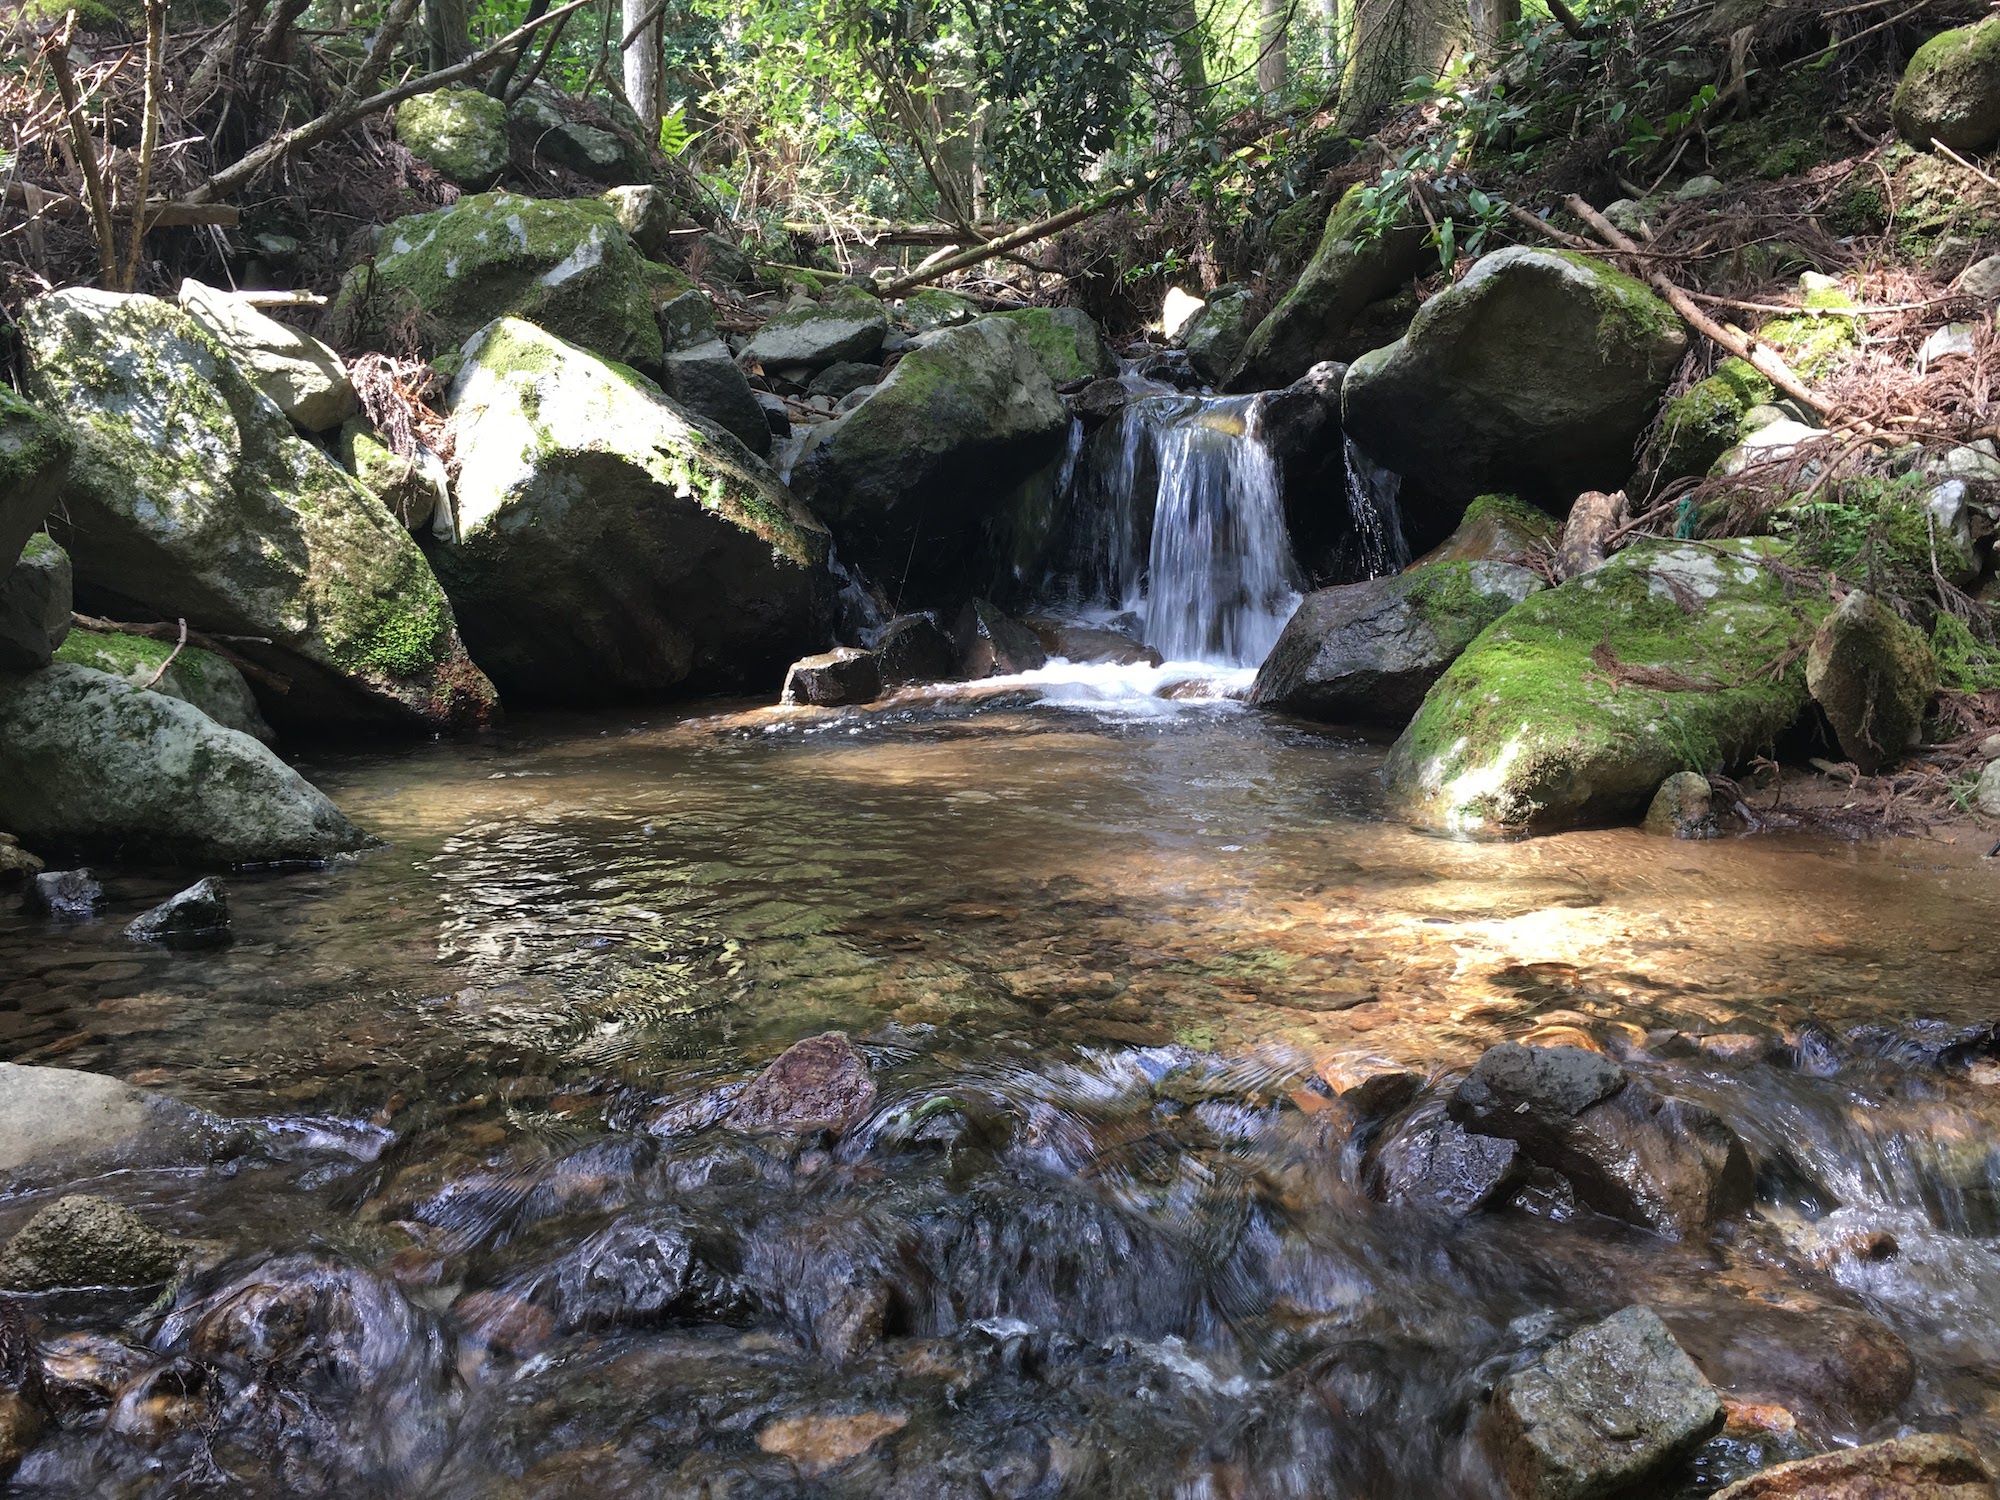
(459, 132)
(1534, 373)
(842, 675)
(993, 644)
(822, 1441)
(23, 1397)
(62, 1121)
(1575, 707)
(89, 761)
(86, 1241)
(609, 545)
(850, 325)
(34, 606)
(66, 895)
(34, 456)
(1600, 1411)
(1950, 91)
(1874, 675)
(304, 377)
(821, 1083)
(1436, 1162)
(1930, 1466)
(1683, 808)
(192, 675)
(1368, 652)
(197, 917)
(192, 495)
(1840, 1369)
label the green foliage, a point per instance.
(1874, 532)
(1966, 661)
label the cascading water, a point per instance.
(1372, 495)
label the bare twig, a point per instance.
(57, 52)
(1027, 234)
(149, 136)
(394, 23)
(162, 669)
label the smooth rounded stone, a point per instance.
(1600, 1411)
(66, 895)
(915, 648)
(35, 606)
(721, 260)
(707, 381)
(841, 380)
(57, 1121)
(1666, 1164)
(1219, 331)
(1697, 188)
(1842, 1369)
(1952, 341)
(1533, 374)
(16, 863)
(459, 132)
(209, 682)
(191, 494)
(1629, 215)
(1683, 808)
(848, 327)
(610, 545)
(1100, 401)
(1981, 279)
(1171, 367)
(86, 1241)
(993, 644)
(88, 760)
(823, 1082)
(1950, 93)
(820, 1442)
(1436, 1163)
(1930, 1466)
(1350, 269)
(1087, 644)
(853, 399)
(833, 678)
(1873, 674)
(687, 320)
(646, 212)
(197, 917)
(306, 379)
(1067, 341)
(931, 307)
(1368, 652)
(1987, 793)
(35, 451)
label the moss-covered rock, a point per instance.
(931, 307)
(1496, 528)
(1705, 421)
(460, 132)
(1352, 267)
(542, 120)
(610, 546)
(1534, 374)
(1066, 341)
(1366, 653)
(409, 490)
(34, 456)
(200, 677)
(85, 1241)
(566, 264)
(1873, 674)
(306, 379)
(850, 324)
(34, 606)
(90, 763)
(1950, 92)
(191, 495)
(647, 213)
(1578, 703)
(918, 482)
(1815, 340)
(1216, 336)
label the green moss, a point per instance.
(459, 131)
(398, 630)
(33, 445)
(1065, 341)
(1633, 312)
(1877, 533)
(1698, 426)
(1511, 511)
(1294, 230)
(1813, 345)
(91, 15)
(1966, 662)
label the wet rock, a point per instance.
(1315, 319)
(459, 132)
(1066, 341)
(59, 1119)
(1600, 1411)
(1874, 675)
(1667, 1164)
(822, 1441)
(843, 379)
(1950, 91)
(822, 1082)
(1088, 644)
(707, 381)
(915, 648)
(66, 895)
(687, 562)
(1842, 1368)
(1534, 373)
(17, 865)
(34, 606)
(1683, 808)
(1100, 401)
(1299, 427)
(82, 1373)
(304, 377)
(192, 495)
(842, 675)
(645, 212)
(1584, 698)
(23, 1409)
(1931, 1466)
(1496, 528)
(85, 1241)
(1171, 367)
(991, 644)
(1368, 652)
(91, 761)
(1216, 336)
(1435, 1162)
(209, 682)
(197, 917)
(848, 326)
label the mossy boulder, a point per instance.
(410, 490)
(192, 496)
(1067, 342)
(460, 132)
(1705, 421)
(918, 480)
(1574, 706)
(610, 545)
(1366, 653)
(541, 118)
(848, 325)
(1353, 267)
(931, 307)
(34, 606)
(647, 213)
(1817, 339)
(1496, 528)
(306, 379)
(1534, 374)
(90, 763)
(1216, 336)
(566, 264)
(211, 683)
(34, 456)
(1950, 92)
(1873, 674)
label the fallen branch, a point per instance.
(57, 52)
(898, 234)
(219, 644)
(337, 119)
(1027, 234)
(161, 213)
(149, 133)
(161, 671)
(1980, 172)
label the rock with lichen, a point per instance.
(1705, 421)
(34, 455)
(210, 682)
(190, 495)
(1950, 93)
(610, 544)
(303, 376)
(459, 132)
(1066, 340)
(86, 1241)
(1683, 808)
(1873, 674)
(34, 606)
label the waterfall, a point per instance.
(1378, 521)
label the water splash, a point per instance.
(1372, 496)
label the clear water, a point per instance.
(1373, 493)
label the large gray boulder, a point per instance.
(1950, 93)
(304, 377)
(1874, 674)
(90, 762)
(913, 480)
(706, 380)
(34, 606)
(191, 497)
(210, 682)
(460, 132)
(609, 544)
(34, 455)
(850, 324)
(58, 1120)
(1599, 1412)
(1534, 374)
(1366, 653)
(1216, 336)
(542, 119)
(1067, 342)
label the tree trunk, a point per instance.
(1273, 40)
(643, 61)
(1183, 77)
(1492, 21)
(1329, 34)
(1393, 42)
(447, 32)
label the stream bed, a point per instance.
(1106, 1226)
